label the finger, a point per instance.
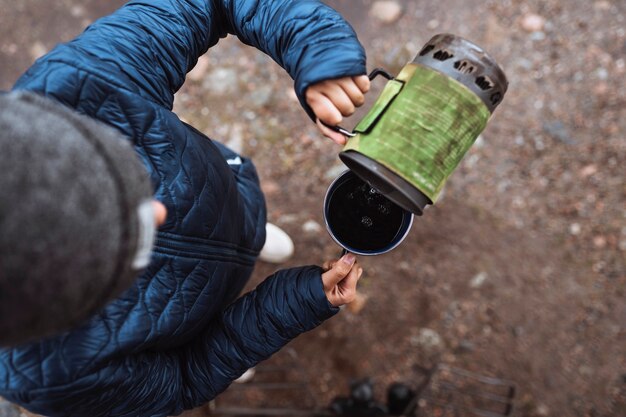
(346, 290)
(339, 271)
(363, 82)
(353, 91)
(335, 92)
(340, 99)
(323, 107)
(336, 137)
(350, 282)
(160, 212)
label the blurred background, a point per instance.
(518, 272)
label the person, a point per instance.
(64, 215)
(176, 335)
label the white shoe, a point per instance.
(278, 245)
(246, 376)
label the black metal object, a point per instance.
(360, 403)
(467, 63)
(387, 182)
(399, 397)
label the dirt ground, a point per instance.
(518, 272)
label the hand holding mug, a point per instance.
(340, 279)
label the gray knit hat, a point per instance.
(76, 221)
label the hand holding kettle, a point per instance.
(402, 152)
(330, 100)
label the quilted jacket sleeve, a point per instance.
(156, 43)
(162, 383)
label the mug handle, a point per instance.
(375, 73)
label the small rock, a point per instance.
(250, 115)
(427, 339)
(543, 410)
(599, 242)
(465, 346)
(537, 36)
(288, 219)
(77, 11)
(270, 187)
(37, 50)
(602, 5)
(428, 270)
(524, 63)
(574, 229)
(10, 49)
(478, 280)
(601, 89)
(222, 81)
(199, 71)
(503, 186)
(261, 96)
(588, 171)
(432, 24)
(602, 74)
(557, 130)
(585, 370)
(533, 22)
(386, 11)
(518, 202)
(312, 227)
(598, 266)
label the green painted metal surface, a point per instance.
(421, 127)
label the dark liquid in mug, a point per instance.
(361, 218)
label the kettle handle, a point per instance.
(375, 73)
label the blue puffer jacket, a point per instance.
(177, 337)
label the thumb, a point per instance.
(339, 271)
